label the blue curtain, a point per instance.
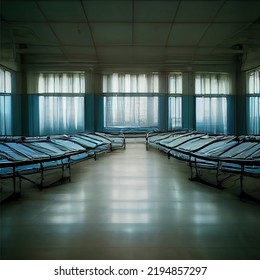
(175, 112)
(5, 114)
(253, 101)
(61, 114)
(211, 91)
(253, 121)
(131, 111)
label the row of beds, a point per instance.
(225, 154)
(20, 157)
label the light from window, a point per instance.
(130, 83)
(61, 83)
(211, 102)
(175, 100)
(129, 102)
(5, 102)
(63, 112)
(253, 87)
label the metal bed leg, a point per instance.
(196, 169)
(42, 176)
(190, 165)
(69, 167)
(62, 170)
(14, 184)
(217, 175)
(196, 177)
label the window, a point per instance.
(211, 91)
(61, 104)
(5, 102)
(130, 100)
(253, 88)
(175, 101)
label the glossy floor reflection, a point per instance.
(132, 204)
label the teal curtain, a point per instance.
(5, 114)
(61, 114)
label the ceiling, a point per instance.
(97, 33)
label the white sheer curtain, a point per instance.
(5, 102)
(211, 102)
(62, 112)
(129, 102)
(253, 115)
(175, 101)
(130, 83)
(61, 83)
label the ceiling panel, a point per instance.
(78, 57)
(127, 31)
(197, 11)
(186, 34)
(73, 33)
(239, 11)
(115, 54)
(173, 51)
(112, 33)
(62, 10)
(20, 11)
(151, 33)
(34, 33)
(149, 54)
(114, 11)
(131, 54)
(157, 11)
(219, 32)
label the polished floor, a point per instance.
(130, 204)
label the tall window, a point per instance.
(61, 103)
(211, 91)
(253, 88)
(131, 100)
(5, 102)
(175, 101)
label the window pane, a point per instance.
(61, 83)
(175, 83)
(211, 106)
(131, 111)
(211, 114)
(5, 102)
(175, 113)
(5, 115)
(59, 115)
(5, 81)
(254, 82)
(254, 115)
(174, 102)
(130, 83)
(212, 83)
(2, 81)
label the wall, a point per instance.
(26, 86)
